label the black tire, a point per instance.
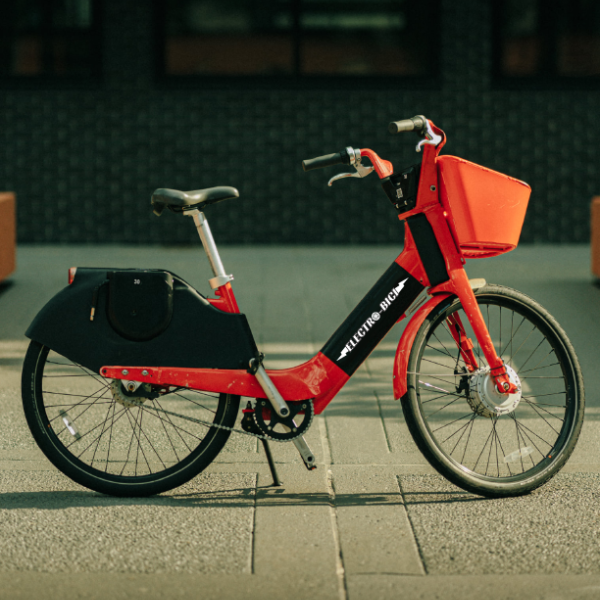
(113, 448)
(479, 450)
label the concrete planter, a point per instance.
(8, 234)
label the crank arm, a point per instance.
(307, 456)
(305, 452)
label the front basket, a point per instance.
(486, 208)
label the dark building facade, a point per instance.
(84, 159)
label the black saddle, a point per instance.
(197, 199)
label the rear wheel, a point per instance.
(485, 442)
(115, 441)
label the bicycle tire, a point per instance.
(89, 434)
(446, 409)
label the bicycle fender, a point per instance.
(406, 342)
(198, 335)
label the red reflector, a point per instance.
(72, 272)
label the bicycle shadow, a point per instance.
(233, 498)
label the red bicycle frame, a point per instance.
(431, 259)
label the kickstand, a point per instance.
(276, 481)
(249, 425)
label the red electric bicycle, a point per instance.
(132, 381)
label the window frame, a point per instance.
(295, 80)
(57, 81)
(551, 80)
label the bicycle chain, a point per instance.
(224, 427)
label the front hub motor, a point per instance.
(486, 400)
(283, 429)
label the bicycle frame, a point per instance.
(430, 259)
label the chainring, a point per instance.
(283, 429)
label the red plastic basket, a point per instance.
(486, 208)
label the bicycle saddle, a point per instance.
(178, 201)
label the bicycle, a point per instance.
(132, 380)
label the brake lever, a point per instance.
(361, 171)
(430, 137)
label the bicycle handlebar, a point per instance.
(350, 156)
(329, 160)
(418, 124)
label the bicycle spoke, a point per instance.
(443, 346)
(196, 403)
(549, 353)
(544, 419)
(112, 424)
(438, 397)
(80, 403)
(169, 438)
(531, 355)
(462, 460)
(435, 362)
(445, 406)
(463, 428)
(525, 435)
(512, 358)
(61, 416)
(536, 435)
(482, 450)
(121, 413)
(512, 336)
(100, 436)
(500, 331)
(535, 404)
(451, 422)
(172, 424)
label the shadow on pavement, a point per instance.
(242, 498)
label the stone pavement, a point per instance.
(373, 521)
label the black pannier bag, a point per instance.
(106, 318)
(140, 303)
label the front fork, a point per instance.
(464, 344)
(459, 285)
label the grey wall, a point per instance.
(84, 162)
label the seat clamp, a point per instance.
(217, 282)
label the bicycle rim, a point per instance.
(451, 411)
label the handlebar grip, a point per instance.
(417, 124)
(324, 161)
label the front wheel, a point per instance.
(116, 441)
(485, 442)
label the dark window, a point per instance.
(299, 37)
(48, 38)
(548, 39)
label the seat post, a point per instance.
(208, 242)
